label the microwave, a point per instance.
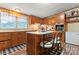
(59, 27)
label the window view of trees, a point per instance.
(11, 21)
(22, 22)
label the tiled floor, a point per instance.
(20, 51)
(69, 49)
(17, 50)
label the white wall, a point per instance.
(72, 37)
(73, 27)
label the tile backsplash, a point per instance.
(38, 26)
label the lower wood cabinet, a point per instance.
(5, 36)
(11, 39)
(34, 40)
(4, 45)
(18, 38)
(33, 43)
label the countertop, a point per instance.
(40, 32)
(11, 30)
(15, 30)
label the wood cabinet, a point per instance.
(57, 19)
(33, 43)
(4, 45)
(30, 44)
(4, 36)
(4, 40)
(34, 19)
(52, 20)
(34, 40)
(18, 38)
(11, 39)
(22, 37)
(14, 40)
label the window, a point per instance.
(22, 22)
(10, 21)
(7, 21)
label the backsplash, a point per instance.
(38, 26)
(34, 26)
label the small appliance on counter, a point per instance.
(59, 27)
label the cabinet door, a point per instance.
(21, 36)
(4, 36)
(14, 40)
(30, 44)
(18, 38)
(4, 45)
(38, 40)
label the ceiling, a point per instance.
(40, 9)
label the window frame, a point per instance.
(16, 22)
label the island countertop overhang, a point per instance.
(40, 32)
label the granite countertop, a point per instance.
(11, 30)
(40, 32)
(26, 30)
(15, 30)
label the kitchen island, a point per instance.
(34, 40)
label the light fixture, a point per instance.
(17, 10)
(62, 17)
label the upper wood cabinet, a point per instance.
(34, 19)
(56, 19)
(52, 20)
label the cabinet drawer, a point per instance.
(4, 45)
(4, 38)
(4, 34)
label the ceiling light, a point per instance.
(62, 17)
(17, 10)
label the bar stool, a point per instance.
(53, 47)
(47, 45)
(57, 44)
